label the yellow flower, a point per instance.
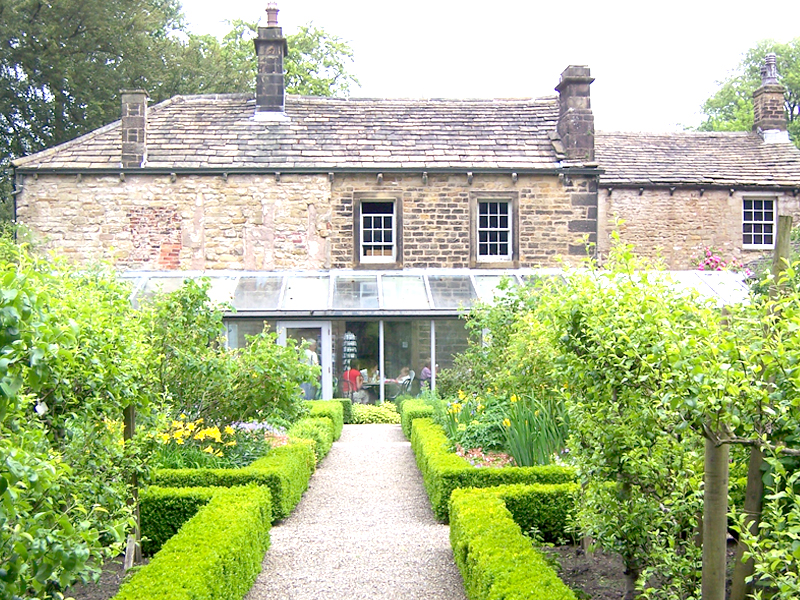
(231, 443)
(179, 441)
(506, 423)
(208, 449)
(461, 394)
(200, 435)
(200, 420)
(514, 398)
(177, 425)
(183, 416)
(213, 432)
(480, 407)
(229, 430)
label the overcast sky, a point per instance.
(654, 62)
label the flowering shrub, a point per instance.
(711, 260)
(473, 420)
(193, 444)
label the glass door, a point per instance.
(316, 336)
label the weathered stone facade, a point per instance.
(183, 221)
(260, 222)
(679, 226)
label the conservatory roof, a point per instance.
(420, 292)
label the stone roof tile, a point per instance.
(695, 158)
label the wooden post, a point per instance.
(133, 551)
(715, 520)
(754, 494)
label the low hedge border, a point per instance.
(413, 409)
(216, 555)
(332, 409)
(444, 471)
(319, 430)
(163, 511)
(285, 471)
(496, 561)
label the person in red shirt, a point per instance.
(352, 384)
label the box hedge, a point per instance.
(320, 430)
(285, 471)
(496, 561)
(444, 471)
(332, 409)
(413, 409)
(164, 510)
(216, 555)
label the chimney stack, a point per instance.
(769, 110)
(575, 119)
(270, 49)
(134, 128)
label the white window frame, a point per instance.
(388, 259)
(491, 258)
(773, 223)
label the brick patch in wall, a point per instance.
(155, 238)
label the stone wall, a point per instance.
(184, 221)
(553, 218)
(680, 226)
(256, 222)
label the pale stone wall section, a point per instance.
(244, 222)
(679, 227)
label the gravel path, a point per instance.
(364, 529)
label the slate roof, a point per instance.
(695, 158)
(219, 131)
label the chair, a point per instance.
(405, 387)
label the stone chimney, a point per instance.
(134, 128)
(769, 110)
(270, 49)
(575, 118)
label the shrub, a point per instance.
(413, 409)
(443, 471)
(381, 413)
(496, 561)
(225, 541)
(321, 431)
(285, 471)
(332, 409)
(347, 409)
(163, 511)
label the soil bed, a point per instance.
(107, 586)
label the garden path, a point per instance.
(363, 530)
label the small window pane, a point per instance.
(404, 292)
(257, 293)
(452, 291)
(758, 219)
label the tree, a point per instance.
(731, 107)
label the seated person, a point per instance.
(352, 382)
(405, 375)
(425, 375)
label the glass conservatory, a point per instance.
(378, 322)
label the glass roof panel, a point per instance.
(306, 293)
(355, 291)
(258, 293)
(451, 291)
(164, 285)
(404, 292)
(486, 286)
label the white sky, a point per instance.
(654, 62)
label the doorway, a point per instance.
(305, 331)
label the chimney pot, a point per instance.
(272, 14)
(769, 107)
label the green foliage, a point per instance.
(775, 549)
(496, 561)
(317, 63)
(198, 376)
(227, 540)
(473, 420)
(443, 471)
(320, 430)
(413, 409)
(163, 511)
(731, 107)
(536, 429)
(286, 471)
(347, 409)
(331, 409)
(369, 413)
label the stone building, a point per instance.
(378, 220)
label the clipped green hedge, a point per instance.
(375, 413)
(332, 409)
(216, 555)
(413, 409)
(320, 430)
(164, 510)
(496, 561)
(285, 470)
(547, 508)
(347, 409)
(444, 471)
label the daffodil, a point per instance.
(506, 423)
(229, 430)
(208, 449)
(514, 398)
